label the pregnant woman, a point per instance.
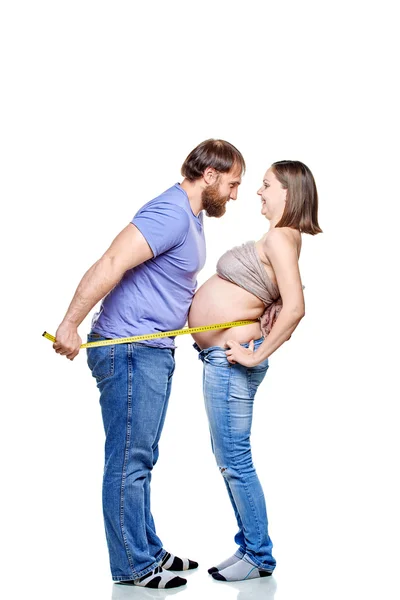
(257, 281)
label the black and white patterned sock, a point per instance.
(174, 563)
(157, 579)
(227, 563)
(241, 570)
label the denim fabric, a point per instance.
(229, 392)
(135, 383)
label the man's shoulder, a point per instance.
(165, 217)
(173, 197)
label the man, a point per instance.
(147, 279)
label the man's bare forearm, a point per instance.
(94, 285)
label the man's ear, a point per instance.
(210, 175)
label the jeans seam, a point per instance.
(160, 555)
(249, 388)
(229, 412)
(110, 357)
(252, 507)
(234, 462)
(127, 446)
(250, 373)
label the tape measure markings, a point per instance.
(152, 336)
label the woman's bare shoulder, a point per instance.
(278, 237)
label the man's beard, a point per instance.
(213, 202)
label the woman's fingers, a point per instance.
(235, 349)
(230, 344)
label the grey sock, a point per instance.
(227, 563)
(240, 570)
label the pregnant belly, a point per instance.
(220, 301)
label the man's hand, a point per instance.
(128, 250)
(68, 341)
(238, 354)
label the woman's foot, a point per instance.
(174, 563)
(227, 563)
(241, 570)
(157, 579)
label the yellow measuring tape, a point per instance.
(153, 336)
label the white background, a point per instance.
(100, 104)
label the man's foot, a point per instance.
(174, 563)
(158, 579)
(240, 570)
(227, 563)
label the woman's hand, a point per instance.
(238, 354)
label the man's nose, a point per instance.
(233, 195)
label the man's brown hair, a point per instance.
(218, 154)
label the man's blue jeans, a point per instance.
(135, 384)
(229, 392)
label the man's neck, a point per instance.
(194, 191)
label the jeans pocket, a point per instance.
(216, 359)
(172, 371)
(100, 359)
(255, 375)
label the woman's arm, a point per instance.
(281, 250)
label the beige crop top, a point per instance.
(242, 265)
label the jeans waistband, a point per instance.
(257, 343)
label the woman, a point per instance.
(257, 281)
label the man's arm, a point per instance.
(128, 250)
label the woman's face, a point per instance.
(273, 196)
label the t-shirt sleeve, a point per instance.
(163, 224)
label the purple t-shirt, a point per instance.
(156, 295)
